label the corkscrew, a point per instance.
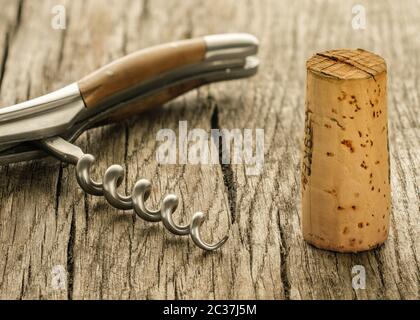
(49, 125)
(113, 179)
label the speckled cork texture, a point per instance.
(345, 169)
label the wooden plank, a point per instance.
(47, 221)
(34, 235)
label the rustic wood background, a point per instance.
(47, 221)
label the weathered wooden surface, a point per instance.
(47, 221)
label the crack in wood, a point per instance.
(19, 13)
(284, 267)
(145, 12)
(62, 45)
(70, 256)
(228, 174)
(4, 60)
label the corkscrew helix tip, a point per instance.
(112, 180)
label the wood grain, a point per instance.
(47, 221)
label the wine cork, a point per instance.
(345, 169)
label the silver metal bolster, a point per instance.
(231, 46)
(42, 117)
(62, 149)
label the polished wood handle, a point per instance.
(161, 97)
(137, 67)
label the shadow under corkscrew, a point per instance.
(114, 177)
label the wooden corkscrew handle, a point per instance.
(128, 72)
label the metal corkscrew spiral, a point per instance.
(108, 188)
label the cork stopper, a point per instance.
(346, 64)
(346, 191)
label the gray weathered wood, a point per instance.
(47, 221)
